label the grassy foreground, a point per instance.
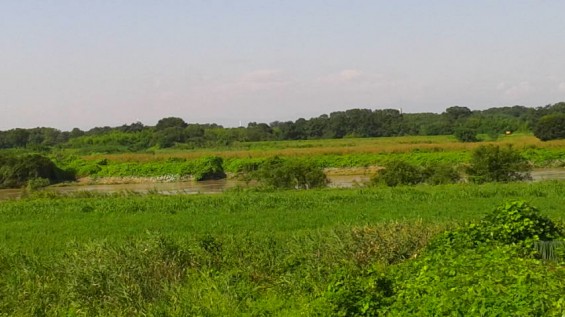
(239, 253)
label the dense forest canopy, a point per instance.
(176, 132)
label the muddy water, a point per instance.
(218, 186)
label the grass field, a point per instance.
(240, 253)
(340, 153)
(385, 145)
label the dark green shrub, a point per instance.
(436, 174)
(397, 173)
(515, 223)
(279, 173)
(492, 163)
(550, 127)
(208, 168)
(16, 171)
(464, 134)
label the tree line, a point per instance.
(546, 122)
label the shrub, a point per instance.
(16, 171)
(436, 174)
(515, 223)
(209, 168)
(278, 173)
(492, 163)
(466, 134)
(398, 173)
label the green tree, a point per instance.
(550, 127)
(170, 122)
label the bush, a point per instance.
(515, 223)
(208, 168)
(437, 174)
(397, 173)
(278, 173)
(550, 127)
(16, 171)
(492, 163)
(466, 134)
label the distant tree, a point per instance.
(550, 127)
(259, 132)
(76, 132)
(455, 113)
(170, 122)
(169, 137)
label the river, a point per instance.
(218, 186)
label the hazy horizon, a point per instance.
(84, 64)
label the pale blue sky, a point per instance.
(75, 63)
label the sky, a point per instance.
(82, 63)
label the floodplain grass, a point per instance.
(383, 145)
(245, 252)
(340, 153)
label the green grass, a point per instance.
(25, 223)
(240, 253)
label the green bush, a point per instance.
(515, 223)
(208, 168)
(492, 163)
(398, 172)
(437, 174)
(16, 171)
(279, 173)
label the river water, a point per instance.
(218, 186)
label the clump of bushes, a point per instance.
(398, 172)
(18, 171)
(287, 174)
(493, 163)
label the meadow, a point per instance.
(341, 252)
(329, 153)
